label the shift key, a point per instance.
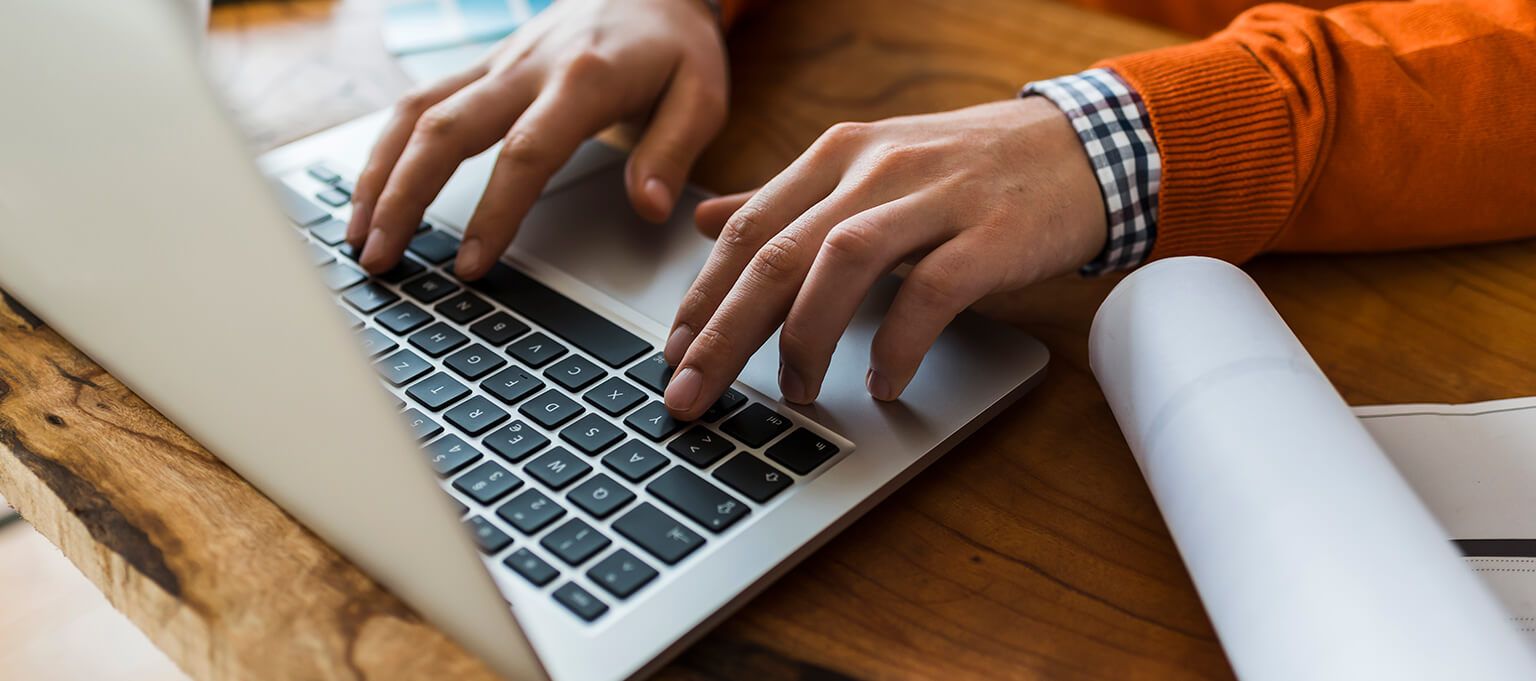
(697, 498)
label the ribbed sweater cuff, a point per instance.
(1227, 143)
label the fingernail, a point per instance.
(684, 389)
(659, 196)
(677, 344)
(371, 249)
(792, 385)
(467, 265)
(879, 388)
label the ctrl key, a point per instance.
(585, 605)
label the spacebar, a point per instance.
(567, 319)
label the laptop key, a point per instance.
(657, 533)
(698, 499)
(750, 476)
(487, 482)
(403, 318)
(516, 441)
(592, 434)
(421, 425)
(585, 329)
(449, 454)
(435, 247)
(802, 451)
(621, 573)
(585, 605)
(634, 460)
(330, 232)
(430, 288)
(438, 339)
(319, 256)
(653, 373)
(600, 495)
(487, 536)
(338, 276)
(375, 343)
(531, 567)
(756, 425)
(476, 415)
(511, 385)
(729, 401)
(699, 446)
(536, 350)
(463, 308)
(551, 408)
(498, 328)
(575, 541)
(574, 372)
(654, 421)
(301, 211)
(474, 361)
(530, 511)
(614, 396)
(402, 367)
(557, 468)
(369, 297)
(405, 269)
(321, 172)
(437, 391)
(333, 198)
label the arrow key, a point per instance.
(700, 446)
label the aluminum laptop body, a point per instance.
(134, 221)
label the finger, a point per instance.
(466, 123)
(711, 214)
(940, 286)
(386, 151)
(755, 306)
(690, 113)
(539, 143)
(856, 253)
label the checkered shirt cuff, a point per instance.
(1112, 123)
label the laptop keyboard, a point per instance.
(544, 421)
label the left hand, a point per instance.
(989, 198)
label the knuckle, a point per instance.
(777, 260)
(585, 67)
(435, 123)
(742, 227)
(935, 288)
(711, 342)
(894, 158)
(852, 242)
(523, 149)
(414, 103)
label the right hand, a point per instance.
(576, 68)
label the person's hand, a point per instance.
(987, 199)
(573, 70)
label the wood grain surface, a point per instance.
(1033, 550)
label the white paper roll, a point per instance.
(1313, 557)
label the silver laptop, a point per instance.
(495, 453)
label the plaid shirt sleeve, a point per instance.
(1111, 121)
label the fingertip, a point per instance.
(374, 256)
(793, 386)
(470, 262)
(659, 198)
(879, 386)
(683, 391)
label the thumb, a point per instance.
(691, 112)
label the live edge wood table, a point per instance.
(1033, 550)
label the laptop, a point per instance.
(494, 453)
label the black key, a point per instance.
(487, 536)
(621, 573)
(429, 289)
(698, 499)
(300, 210)
(402, 367)
(435, 247)
(319, 256)
(755, 425)
(421, 425)
(324, 174)
(653, 373)
(802, 451)
(575, 541)
(750, 476)
(574, 372)
(405, 269)
(487, 482)
(511, 385)
(347, 251)
(333, 198)
(531, 567)
(463, 308)
(634, 460)
(536, 350)
(338, 276)
(700, 446)
(474, 361)
(330, 232)
(557, 468)
(551, 409)
(346, 187)
(498, 328)
(516, 441)
(403, 318)
(601, 496)
(729, 401)
(592, 434)
(654, 421)
(369, 297)
(375, 343)
(658, 533)
(437, 391)
(614, 396)
(530, 511)
(585, 605)
(586, 329)
(476, 415)
(449, 454)
(438, 339)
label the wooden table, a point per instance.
(1032, 551)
